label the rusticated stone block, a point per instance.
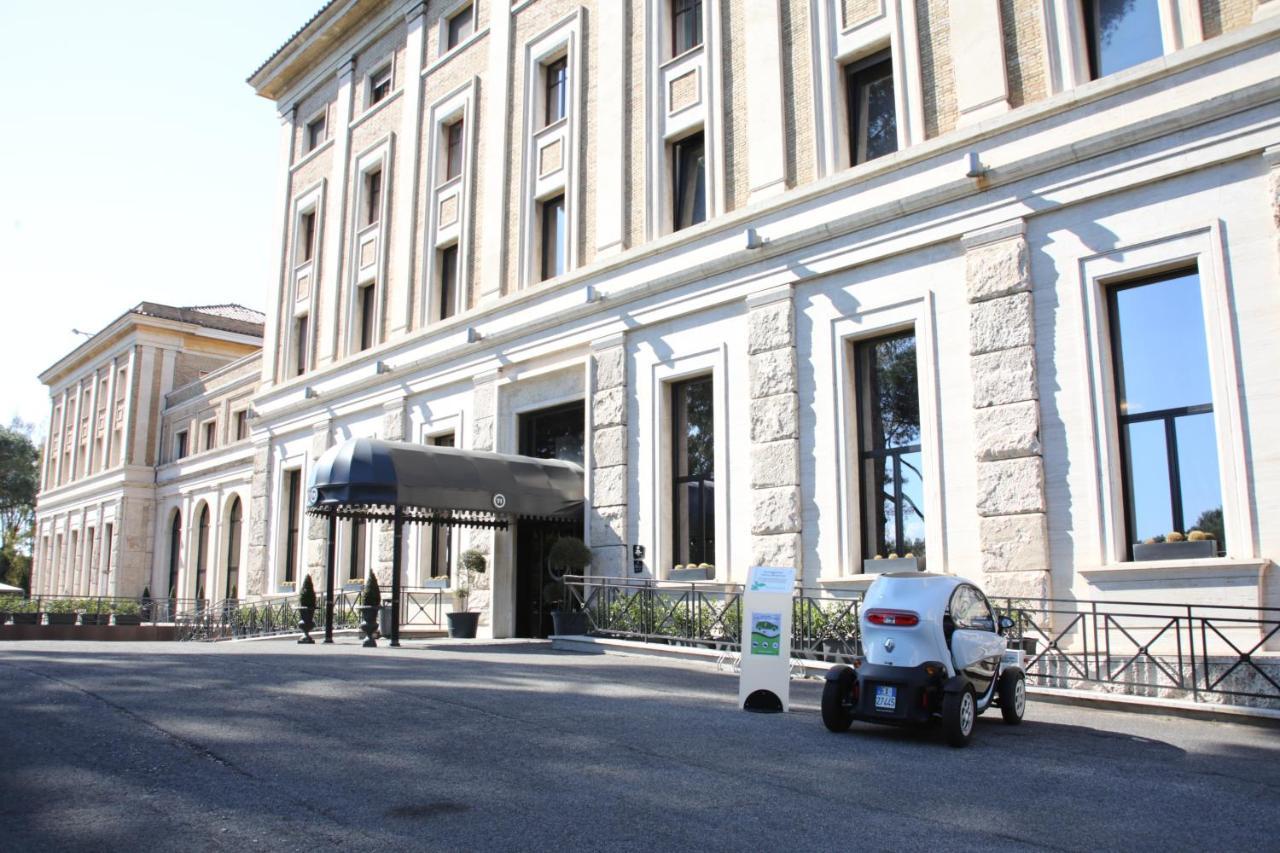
(1007, 376)
(609, 408)
(997, 269)
(770, 326)
(1014, 543)
(1027, 586)
(482, 434)
(775, 418)
(609, 561)
(1011, 486)
(773, 372)
(483, 400)
(611, 368)
(775, 510)
(1001, 324)
(609, 486)
(608, 525)
(609, 447)
(779, 549)
(776, 463)
(1008, 431)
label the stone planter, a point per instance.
(127, 619)
(95, 618)
(27, 618)
(1175, 550)
(61, 618)
(567, 623)
(694, 574)
(306, 621)
(463, 625)
(892, 564)
(368, 624)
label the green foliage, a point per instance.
(125, 608)
(1210, 521)
(61, 605)
(570, 553)
(473, 560)
(10, 603)
(29, 605)
(307, 597)
(19, 482)
(372, 594)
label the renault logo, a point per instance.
(499, 500)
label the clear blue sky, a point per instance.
(135, 163)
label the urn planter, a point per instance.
(568, 623)
(463, 625)
(369, 624)
(306, 621)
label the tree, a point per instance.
(19, 482)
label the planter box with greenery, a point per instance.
(1196, 545)
(126, 613)
(685, 574)
(883, 565)
(60, 611)
(8, 604)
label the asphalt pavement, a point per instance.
(501, 746)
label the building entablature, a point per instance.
(133, 480)
(894, 200)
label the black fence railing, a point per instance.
(93, 610)
(1208, 654)
(234, 619)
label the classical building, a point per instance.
(990, 286)
(115, 426)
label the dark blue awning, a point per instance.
(366, 472)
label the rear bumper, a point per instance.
(917, 692)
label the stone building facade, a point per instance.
(841, 284)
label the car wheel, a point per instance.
(837, 697)
(959, 711)
(1013, 696)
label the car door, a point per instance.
(976, 648)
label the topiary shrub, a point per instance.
(307, 597)
(570, 554)
(473, 560)
(1175, 536)
(1199, 536)
(372, 594)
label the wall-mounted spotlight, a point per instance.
(976, 169)
(754, 240)
(309, 393)
(382, 367)
(473, 335)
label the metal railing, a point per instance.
(235, 619)
(1208, 654)
(94, 610)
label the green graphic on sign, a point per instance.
(766, 633)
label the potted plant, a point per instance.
(569, 556)
(370, 599)
(25, 612)
(126, 613)
(462, 621)
(61, 611)
(92, 612)
(1195, 545)
(8, 604)
(306, 611)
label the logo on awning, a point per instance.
(499, 500)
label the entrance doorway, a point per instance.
(555, 433)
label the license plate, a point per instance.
(886, 698)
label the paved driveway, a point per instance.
(273, 746)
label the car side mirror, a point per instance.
(1005, 624)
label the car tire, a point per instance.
(836, 715)
(1013, 696)
(959, 714)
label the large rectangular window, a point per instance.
(690, 177)
(453, 150)
(461, 26)
(293, 522)
(367, 308)
(873, 120)
(686, 25)
(553, 238)
(357, 548)
(1121, 34)
(372, 198)
(889, 450)
(180, 445)
(300, 345)
(556, 89)
(448, 280)
(1167, 437)
(441, 534)
(316, 131)
(693, 506)
(380, 84)
(306, 237)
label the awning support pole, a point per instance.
(397, 535)
(328, 576)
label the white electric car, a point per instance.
(933, 651)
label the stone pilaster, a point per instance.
(1271, 156)
(317, 549)
(394, 428)
(609, 454)
(1012, 530)
(775, 429)
(259, 519)
(484, 410)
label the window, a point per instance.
(202, 552)
(453, 150)
(210, 435)
(686, 25)
(108, 534)
(553, 238)
(235, 521)
(380, 84)
(175, 557)
(461, 26)
(241, 425)
(441, 538)
(368, 313)
(300, 345)
(1168, 442)
(690, 178)
(293, 503)
(693, 472)
(1121, 34)
(892, 485)
(556, 79)
(89, 559)
(180, 445)
(306, 237)
(873, 123)
(372, 197)
(316, 131)
(357, 548)
(448, 281)
(969, 610)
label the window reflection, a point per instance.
(693, 444)
(1121, 34)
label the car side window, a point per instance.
(970, 610)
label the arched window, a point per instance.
(202, 552)
(233, 550)
(175, 554)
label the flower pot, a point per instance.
(1201, 550)
(306, 621)
(890, 564)
(368, 624)
(61, 618)
(127, 619)
(463, 625)
(95, 618)
(26, 618)
(568, 623)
